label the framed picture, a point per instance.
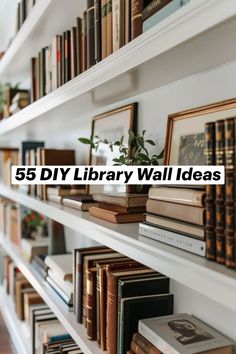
(185, 139)
(112, 126)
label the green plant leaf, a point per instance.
(150, 142)
(85, 141)
(131, 136)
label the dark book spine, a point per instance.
(59, 61)
(63, 69)
(73, 52)
(18, 23)
(220, 194)
(111, 314)
(104, 28)
(154, 7)
(109, 28)
(67, 57)
(79, 45)
(79, 288)
(210, 193)
(97, 19)
(98, 299)
(33, 80)
(90, 34)
(91, 305)
(136, 18)
(229, 192)
(143, 344)
(43, 73)
(127, 21)
(84, 42)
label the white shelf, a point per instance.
(208, 278)
(14, 325)
(77, 331)
(152, 60)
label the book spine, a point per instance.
(67, 57)
(111, 314)
(229, 192)
(143, 344)
(90, 34)
(136, 18)
(91, 305)
(220, 194)
(137, 349)
(59, 61)
(33, 80)
(210, 193)
(84, 42)
(63, 73)
(171, 238)
(79, 45)
(79, 289)
(154, 7)
(109, 27)
(103, 307)
(97, 19)
(127, 21)
(104, 28)
(73, 51)
(98, 299)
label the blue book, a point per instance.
(163, 13)
(60, 337)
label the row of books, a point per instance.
(24, 8)
(42, 328)
(13, 99)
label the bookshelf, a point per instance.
(192, 62)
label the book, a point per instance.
(79, 44)
(61, 265)
(29, 299)
(73, 52)
(166, 11)
(178, 195)
(80, 202)
(56, 62)
(153, 7)
(31, 248)
(65, 190)
(122, 199)
(127, 35)
(104, 28)
(140, 343)
(90, 34)
(173, 239)
(97, 30)
(115, 217)
(194, 215)
(67, 48)
(137, 308)
(118, 23)
(21, 287)
(109, 28)
(65, 285)
(67, 298)
(183, 334)
(27, 146)
(182, 227)
(84, 42)
(136, 18)
(120, 208)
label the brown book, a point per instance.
(21, 284)
(90, 34)
(104, 28)
(63, 59)
(79, 45)
(153, 7)
(176, 226)
(220, 193)
(97, 33)
(30, 299)
(33, 80)
(122, 199)
(118, 21)
(109, 27)
(141, 345)
(67, 56)
(192, 214)
(178, 195)
(73, 53)
(136, 18)
(115, 217)
(121, 209)
(112, 301)
(84, 42)
(127, 21)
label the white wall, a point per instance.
(7, 22)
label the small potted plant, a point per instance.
(135, 154)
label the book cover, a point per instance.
(118, 21)
(153, 7)
(79, 44)
(84, 42)
(61, 265)
(90, 34)
(97, 33)
(136, 18)
(109, 28)
(140, 343)
(104, 28)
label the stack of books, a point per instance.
(23, 9)
(220, 199)
(19, 101)
(157, 11)
(40, 266)
(56, 194)
(176, 216)
(179, 334)
(80, 202)
(59, 276)
(112, 293)
(118, 207)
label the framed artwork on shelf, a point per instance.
(111, 126)
(185, 138)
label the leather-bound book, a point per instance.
(67, 56)
(109, 27)
(229, 191)
(153, 7)
(141, 343)
(73, 53)
(210, 193)
(118, 20)
(220, 193)
(63, 61)
(97, 19)
(90, 34)
(104, 28)
(136, 18)
(84, 42)
(127, 21)
(79, 44)
(33, 80)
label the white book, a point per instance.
(173, 239)
(61, 265)
(183, 334)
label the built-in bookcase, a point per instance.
(187, 60)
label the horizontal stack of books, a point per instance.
(23, 9)
(179, 334)
(118, 207)
(19, 101)
(220, 199)
(59, 276)
(112, 293)
(176, 216)
(8, 94)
